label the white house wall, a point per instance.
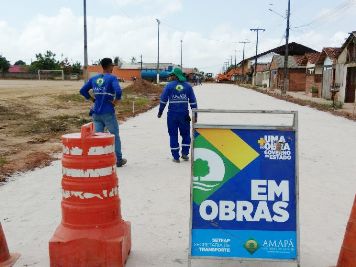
(342, 57)
(342, 76)
(341, 73)
(328, 62)
(266, 78)
(310, 66)
(318, 70)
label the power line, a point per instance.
(330, 14)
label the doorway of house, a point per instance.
(350, 85)
(327, 82)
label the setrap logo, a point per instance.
(275, 147)
(251, 246)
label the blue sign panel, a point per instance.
(244, 194)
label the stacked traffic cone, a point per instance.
(6, 259)
(347, 257)
(92, 232)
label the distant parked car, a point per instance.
(74, 76)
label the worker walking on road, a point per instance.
(107, 94)
(179, 94)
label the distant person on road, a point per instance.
(107, 94)
(198, 80)
(179, 94)
(194, 80)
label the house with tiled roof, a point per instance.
(297, 73)
(346, 70)
(263, 74)
(314, 74)
(327, 61)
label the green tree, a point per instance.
(77, 67)
(20, 63)
(201, 168)
(46, 61)
(4, 64)
(118, 61)
(66, 66)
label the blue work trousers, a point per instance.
(179, 122)
(109, 121)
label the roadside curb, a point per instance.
(303, 102)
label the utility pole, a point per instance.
(231, 61)
(181, 54)
(141, 62)
(286, 70)
(257, 30)
(235, 59)
(85, 67)
(243, 57)
(158, 22)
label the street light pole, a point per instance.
(85, 67)
(257, 31)
(141, 62)
(158, 22)
(286, 54)
(181, 54)
(243, 56)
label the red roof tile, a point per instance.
(301, 60)
(332, 52)
(312, 57)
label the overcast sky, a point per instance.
(209, 29)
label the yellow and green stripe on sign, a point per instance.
(231, 145)
(230, 149)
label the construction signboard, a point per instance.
(244, 193)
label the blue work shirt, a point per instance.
(179, 95)
(106, 89)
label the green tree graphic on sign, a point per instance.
(201, 168)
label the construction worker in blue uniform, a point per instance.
(179, 94)
(107, 94)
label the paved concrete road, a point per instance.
(155, 191)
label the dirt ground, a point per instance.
(34, 114)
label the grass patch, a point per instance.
(126, 104)
(3, 161)
(57, 124)
(70, 98)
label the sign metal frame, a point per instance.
(292, 127)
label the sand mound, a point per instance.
(143, 87)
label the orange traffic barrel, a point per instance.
(92, 232)
(6, 259)
(347, 257)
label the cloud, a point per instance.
(161, 7)
(111, 36)
(126, 37)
